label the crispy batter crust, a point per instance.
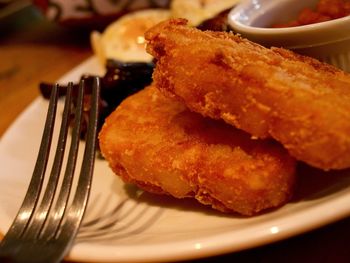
(156, 143)
(299, 101)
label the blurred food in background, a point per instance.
(93, 13)
(123, 39)
(325, 10)
(197, 11)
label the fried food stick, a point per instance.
(297, 100)
(156, 143)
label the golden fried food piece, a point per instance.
(156, 143)
(299, 101)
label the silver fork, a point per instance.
(48, 221)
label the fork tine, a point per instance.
(77, 210)
(61, 204)
(31, 198)
(40, 214)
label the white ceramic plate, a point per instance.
(127, 225)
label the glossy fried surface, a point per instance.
(299, 101)
(156, 143)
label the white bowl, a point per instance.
(328, 41)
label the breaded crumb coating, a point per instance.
(297, 100)
(156, 143)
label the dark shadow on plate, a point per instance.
(167, 201)
(125, 219)
(313, 183)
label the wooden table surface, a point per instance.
(33, 53)
(42, 51)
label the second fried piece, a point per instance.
(299, 101)
(156, 143)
